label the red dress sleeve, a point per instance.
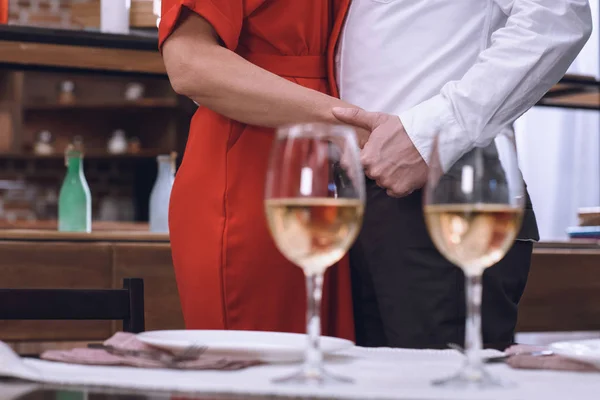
(226, 17)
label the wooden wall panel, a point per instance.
(54, 265)
(563, 291)
(152, 262)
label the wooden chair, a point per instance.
(125, 304)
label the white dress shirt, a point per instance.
(465, 68)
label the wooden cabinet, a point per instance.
(102, 260)
(563, 290)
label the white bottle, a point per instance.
(161, 193)
(118, 142)
(109, 208)
(43, 146)
(114, 16)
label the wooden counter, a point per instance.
(46, 231)
(35, 235)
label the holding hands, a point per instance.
(388, 155)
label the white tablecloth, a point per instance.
(379, 374)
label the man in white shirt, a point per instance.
(469, 69)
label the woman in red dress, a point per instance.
(252, 65)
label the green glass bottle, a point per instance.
(74, 200)
(68, 395)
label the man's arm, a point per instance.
(525, 59)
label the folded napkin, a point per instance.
(129, 341)
(521, 358)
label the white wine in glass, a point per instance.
(313, 232)
(473, 210)
(314, 203)
(473, 236)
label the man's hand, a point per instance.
(389, 156)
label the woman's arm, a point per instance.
(217, 78)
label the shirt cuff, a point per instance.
(430, 118)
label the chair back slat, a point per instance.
(125, 304)
(43, 304)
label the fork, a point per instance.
(504, 357)
(190, 353)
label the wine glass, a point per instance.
(314, 203)
(473, 205)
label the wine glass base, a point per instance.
(319, 377)
(476, 378)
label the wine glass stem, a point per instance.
(313, 359)
(473, 341)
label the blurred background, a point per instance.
(123, 116)
(42, 109)
(559, 151)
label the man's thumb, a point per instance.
(356, 117)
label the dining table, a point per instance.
(18, 390)
(382, 373)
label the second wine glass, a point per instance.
(473, 208)
(314, 203)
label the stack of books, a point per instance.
(589, 224)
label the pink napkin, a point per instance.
(521, 359)
(128, 341)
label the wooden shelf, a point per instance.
(92, 38)
(575, 92)
(103, 105)
(51, 225)
(92, 154)
(64, 57)
(46, 235)
(584, 101)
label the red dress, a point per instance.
(229, 273)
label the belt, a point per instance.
(290, 66)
